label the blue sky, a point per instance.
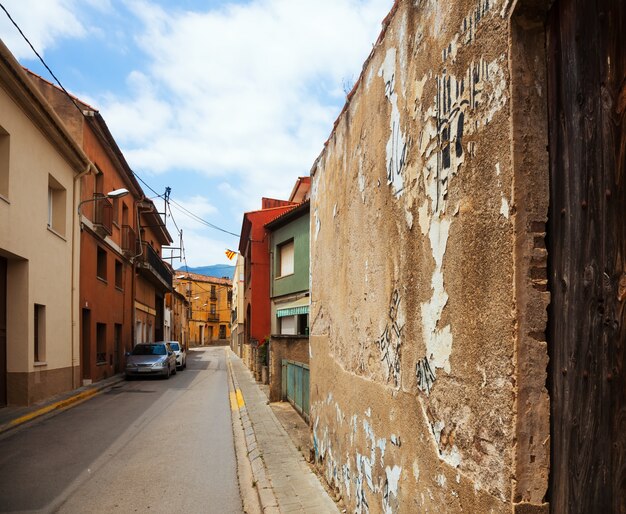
(223, 101)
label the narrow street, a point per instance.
(144, 446)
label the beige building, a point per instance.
(237, 325)
(468, 264)
(39, 193)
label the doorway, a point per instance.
(86, 343)
(586, 57)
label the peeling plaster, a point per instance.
(396, 146)
(317, 223)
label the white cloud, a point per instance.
(42, 26)
(247, 92)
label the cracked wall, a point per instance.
(413, 321)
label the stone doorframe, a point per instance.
(531, 193)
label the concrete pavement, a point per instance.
(283, 479)
(274, 476)
(13, 417)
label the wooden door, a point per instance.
(586, 46)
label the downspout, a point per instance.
(76, 256)
(134, 268)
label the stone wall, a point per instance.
(416, 289)
(294, 348)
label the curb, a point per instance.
(60, 405)
(265, 493)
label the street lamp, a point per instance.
(116, 193)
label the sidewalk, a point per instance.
(283, 479)
(13, 417)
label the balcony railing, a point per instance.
(212, 318)
(154, 265)
(129, 241)
(103, 213)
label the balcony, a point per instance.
(130, 245)
(213, 318)
(151, 266)
(103, 215)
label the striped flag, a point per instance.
(230, 254)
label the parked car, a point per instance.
(151, 359)
(181, 354)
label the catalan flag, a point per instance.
(230, 254)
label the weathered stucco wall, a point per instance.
(413, 237)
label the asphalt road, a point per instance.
(148, 445)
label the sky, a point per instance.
(222, 101)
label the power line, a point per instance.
(72, 99)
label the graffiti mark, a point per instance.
(390, 342)
(397, 145)
(425, 375)
(470, 23)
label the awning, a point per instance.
(292, 311)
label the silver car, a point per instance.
(151, 359)
(181, 354)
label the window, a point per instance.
(56, 206)
(99, 182)
(285, 259)
(116, 211)
(4, 163)
(288, 325)
(213, 309)
(222, 332)
(213, 293)
(101, 343)
(118, 275)
(101, 270)
(40, 333)
(124, 214)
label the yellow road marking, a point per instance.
(54, 406)
(236, 400)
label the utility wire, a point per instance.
(41, 59)
(72, 99)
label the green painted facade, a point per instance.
(298, 230)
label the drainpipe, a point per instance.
(76, 255)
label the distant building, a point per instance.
(209, 307)
(40, 169)
(237, 322)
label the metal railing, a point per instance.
(151, 260)
(129, 241)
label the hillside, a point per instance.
(214, 270)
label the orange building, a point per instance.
(209, 307)
(123, 279)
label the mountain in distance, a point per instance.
(214, 270)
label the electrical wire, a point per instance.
(73, 100)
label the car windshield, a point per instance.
(149, 349)
(175, 346)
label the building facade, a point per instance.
(454, 367)
(40, 169)
(209, 307)
(289, 290)
(237, 324)
(254, 249)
